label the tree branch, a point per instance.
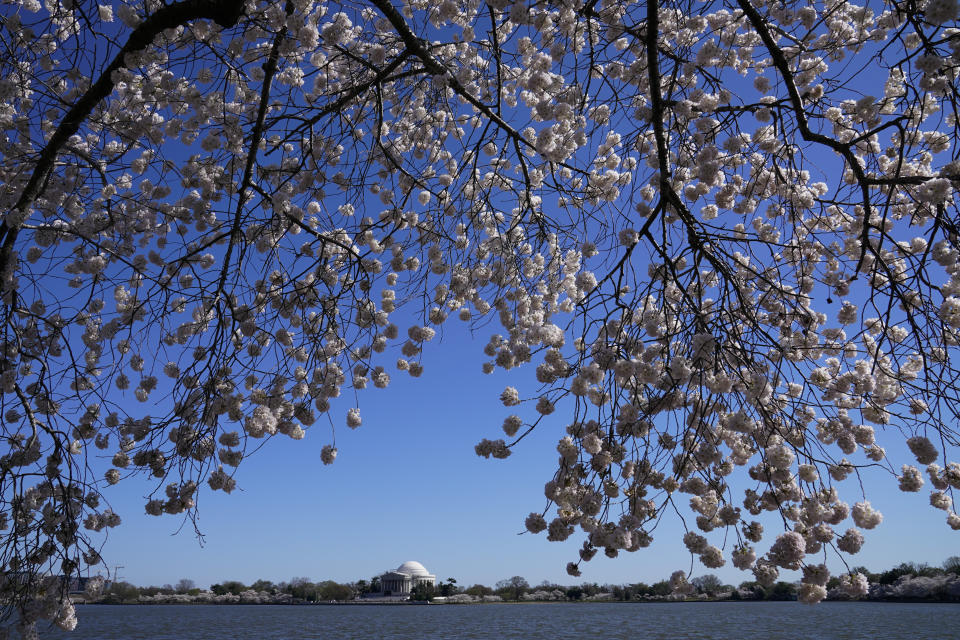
(796, 102)
(269, 71)
(225, 13)
(415, 46)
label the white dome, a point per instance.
(413, 568)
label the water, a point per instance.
(535, 621)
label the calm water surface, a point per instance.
(610, 621)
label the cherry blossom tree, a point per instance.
(722, 235)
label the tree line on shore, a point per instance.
(907, 580)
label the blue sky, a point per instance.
(408, 486)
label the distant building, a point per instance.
(402, 581)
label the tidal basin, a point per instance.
(536, 621)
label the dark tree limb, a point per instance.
(225, 13)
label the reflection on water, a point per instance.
(611, 621)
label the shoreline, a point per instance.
(513, 602)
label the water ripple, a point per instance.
(535, 621)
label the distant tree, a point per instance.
(574, 593)
(264, 585)
(153, 590)
(708, 584)
(625, 593)
(449, 587)
(925, 570)
(361, 588)
(185, 585)
(228, 586)
(235, 587)
(329, 590)
(423, 591)
(121, 592)
(375, 584)
(952, 565)
(782, 591)
(891, 575)
(302, 589)
(755, 590)
(478, 590)
(661, 588)
(512, 588)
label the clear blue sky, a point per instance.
(407, 485)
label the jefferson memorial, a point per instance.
(402, 581)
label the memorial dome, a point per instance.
(413, 568)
